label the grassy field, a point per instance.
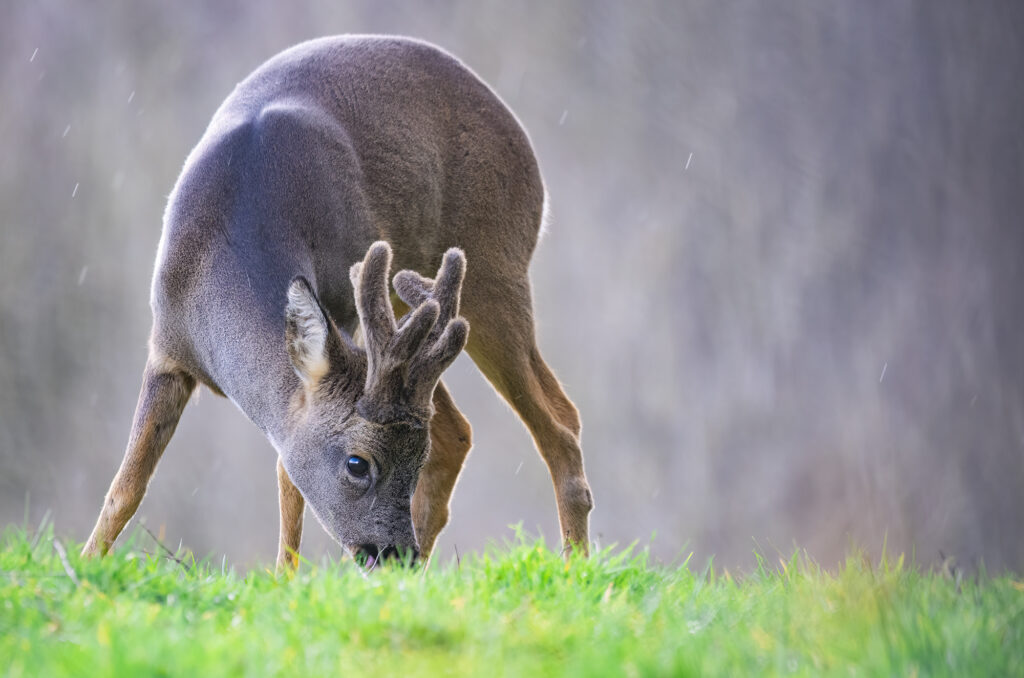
(516, 610)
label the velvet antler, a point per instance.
(405, 360)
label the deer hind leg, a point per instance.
(165, 392)
(450, 442)
(292, 507)
(503, 345)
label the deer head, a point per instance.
(360, 417)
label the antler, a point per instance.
(405, 360)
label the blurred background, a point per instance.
(783, 277)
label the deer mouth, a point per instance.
(370, 556)
(366, 556)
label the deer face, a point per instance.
(360, 416)
(358, 477)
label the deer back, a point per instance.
(326, 148)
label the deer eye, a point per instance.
(357, 466)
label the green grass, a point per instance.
(515, 610)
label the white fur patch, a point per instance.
(309, 345)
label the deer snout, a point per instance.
(370, 555)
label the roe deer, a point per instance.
(334, 148)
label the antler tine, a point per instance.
(370, 282)
(414, 289)
(415, 328)
(427, 370)
(448, 287)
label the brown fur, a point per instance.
(451, 438)
(326, 148)
(292, 506)
(165, 391)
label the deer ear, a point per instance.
(306, 333)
